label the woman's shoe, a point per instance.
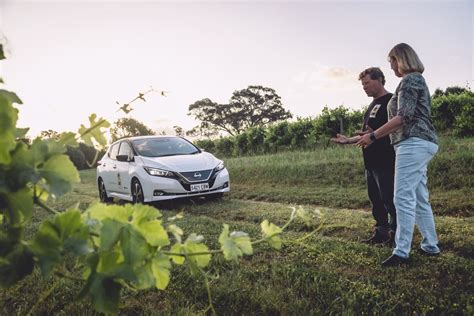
(395, 261)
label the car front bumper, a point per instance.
(160, 188)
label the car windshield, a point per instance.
(164, 146)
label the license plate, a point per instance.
(199, 187)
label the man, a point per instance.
(379, 158)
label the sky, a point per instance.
(68, 59)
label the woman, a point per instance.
(414, 138)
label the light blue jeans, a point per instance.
(411, 197)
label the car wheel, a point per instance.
(103, 193)
(137, 192)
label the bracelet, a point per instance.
(372, 137)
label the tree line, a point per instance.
(254, 121)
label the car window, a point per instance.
(164, 146)
(125, 149)
(113, 151)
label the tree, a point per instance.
(178, 130)
(251, 107)
(128, 127)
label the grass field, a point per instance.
(329, 273)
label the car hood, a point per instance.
(182, 163)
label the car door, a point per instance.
(109, 167)
(124, 168)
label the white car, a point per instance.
(155, 168)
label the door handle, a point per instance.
(115, 167)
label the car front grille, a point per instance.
(196, 176)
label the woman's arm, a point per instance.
(391, 126)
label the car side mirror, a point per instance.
(123, 158)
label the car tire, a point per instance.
(103, 197)
(137, 192)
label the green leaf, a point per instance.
(145, 221)
(154, 233)
(272, 232)
(21, 132)
(8, 119)
(59, 173)
(303, 215)
(65, 232)
(193, 245)
(134, 246)
(105, 293)
(21, 205)
(101, 212)
(175, 231)
(161, 271)
(110, 234)
(235, 244)
(93, 132)
(15, 265)
(47, 247)
(68, 139)
(177, 248)
(73, 233)
(145, 277)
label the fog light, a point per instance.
(225, 185)
(158, 193)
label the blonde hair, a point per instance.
(406, 58)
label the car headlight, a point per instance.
(219, 167)
(159, 172)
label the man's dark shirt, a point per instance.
(380, 154)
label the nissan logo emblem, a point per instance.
(197, 175)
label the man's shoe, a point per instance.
(377, 239)
(395, 261)
(427, 254)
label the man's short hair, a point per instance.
(374, 73)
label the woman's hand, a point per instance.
(364, 141)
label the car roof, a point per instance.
(143, 137)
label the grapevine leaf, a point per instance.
(134, 246)
(68, 139)
(235, 244)
(11, 97)
(73, 232)
(161, 271)
(145, 277)
(93, 132)
(21, 205)
(176, 248)
(111, 263)
(59, 173)
(21, 132)
(110, 234)
(65, 232)
(101, 211)
(193, 245)
(154, 233)
(8, 118)
(303, 215)
(175, 231)
(47, 246)
(15, 265)
(243, 242)
(143, 213)
(272, 232)
(105, 293)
